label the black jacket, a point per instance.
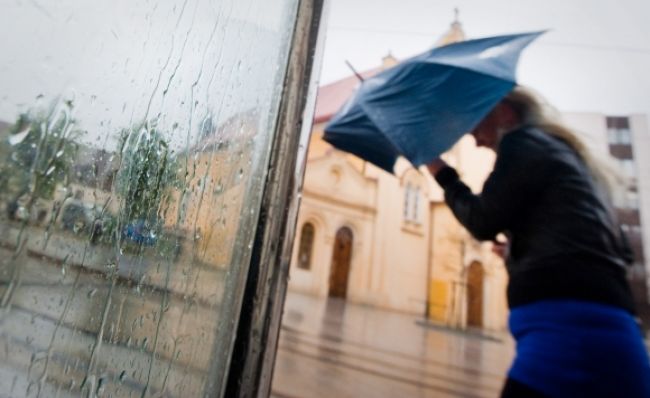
(564, 240)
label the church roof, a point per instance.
(332, 96)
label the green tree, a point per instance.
(39, 153)
(147, 170)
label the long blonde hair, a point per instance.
(531, 109)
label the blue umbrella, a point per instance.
(421, 107)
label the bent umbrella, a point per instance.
(422, 106)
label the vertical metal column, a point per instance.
(255, 347)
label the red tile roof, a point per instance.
(332, 96)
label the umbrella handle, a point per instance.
(361, 79)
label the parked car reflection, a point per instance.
(140, 232)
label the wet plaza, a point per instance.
(331, 348)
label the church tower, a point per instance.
(454, 34)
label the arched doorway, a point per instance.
(475, 276)
(341, 256)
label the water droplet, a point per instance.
(100, 385)
(77, 226)
(16, 139)
(22, 213)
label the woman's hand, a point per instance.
(436, 165)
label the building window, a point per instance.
(628, 167)
(618, 131)
(407, 202)
(619, 136)
(416, 205)
(618, 198)
(631, 200)
(306, 246)
(626, 200)
(412, 204)
(631, 229)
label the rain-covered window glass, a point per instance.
(134, 139)
(306, 246)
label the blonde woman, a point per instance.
(571, 306)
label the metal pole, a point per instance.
(361, 79)
(253, 355)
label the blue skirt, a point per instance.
(575, 349)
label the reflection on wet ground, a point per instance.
(151, 330)
(330, 348)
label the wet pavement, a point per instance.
(330, 348)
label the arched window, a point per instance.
(412, 203)
(407, 202)
(416, 206)
(306, 246)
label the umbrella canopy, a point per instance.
(421, 107)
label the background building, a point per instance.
(625, 142)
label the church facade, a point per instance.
(389, 240)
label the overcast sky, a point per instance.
(596, 56)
